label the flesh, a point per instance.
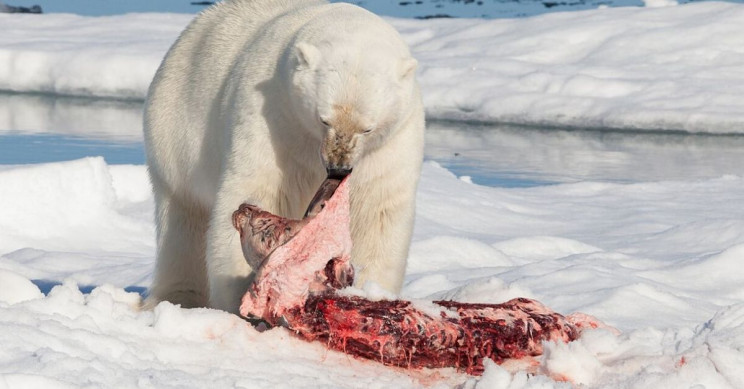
(303, 264)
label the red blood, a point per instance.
(305, 263)
(397, 333)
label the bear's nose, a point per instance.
(338, 172)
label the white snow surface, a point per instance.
(659, 261)
(658, 67)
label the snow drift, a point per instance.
(660, 261)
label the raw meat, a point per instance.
(303, 264)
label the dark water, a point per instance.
(39, 128)
(397, 8)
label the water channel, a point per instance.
(41, 128)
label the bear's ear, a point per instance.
(307, 56)
(407, 68)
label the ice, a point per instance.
(662, 68)
(658, 259)
(113, 56)
(616, 251)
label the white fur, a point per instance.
(234, 115)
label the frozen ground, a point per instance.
(675, 67)
(660, 261)
(658, 258)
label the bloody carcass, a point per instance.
(303, 267)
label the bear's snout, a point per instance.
(338, 172)
(339, 153)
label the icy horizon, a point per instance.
(670, 68)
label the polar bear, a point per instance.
(259, 101)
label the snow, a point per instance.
(660, 261)
(660, 3)
(89, 219)
(17, 288)
(657, 67)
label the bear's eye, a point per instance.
(368, 130)
(325, 121)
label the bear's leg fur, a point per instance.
(382, 224)
(180, 273)
(383, 207)
(228, 272)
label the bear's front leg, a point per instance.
(381, 228)
(228, 273)
(179, 274)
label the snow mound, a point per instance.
(543, 247)
(17, 288)
(110, 56)
(452, 252)
(75, 205)
(638, 68)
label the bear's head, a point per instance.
(352, 96)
